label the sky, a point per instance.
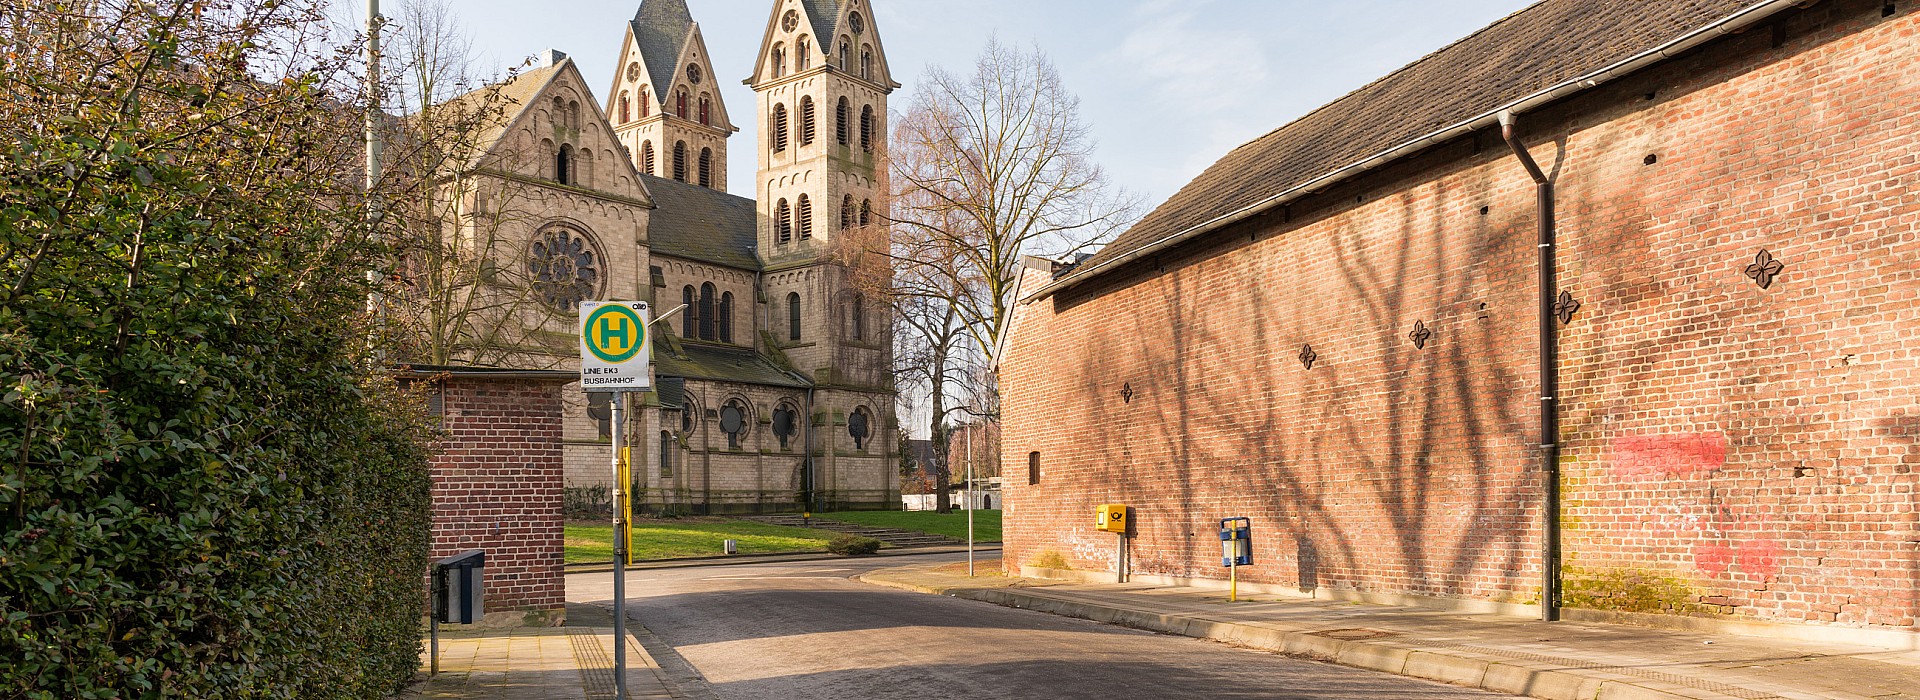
(1167, 86)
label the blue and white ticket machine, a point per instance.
(1236, 550)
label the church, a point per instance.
(773, 387)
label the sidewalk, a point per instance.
(1556, 661)
(537, 663)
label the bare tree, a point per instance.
(990, 166)
(456, 301)
(984, 168)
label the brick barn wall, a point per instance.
(497, 487)
(1728, 449)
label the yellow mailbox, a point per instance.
(1110, 517)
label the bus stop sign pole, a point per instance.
(616, 357)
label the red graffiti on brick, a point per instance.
(1760, 558)
(1655, 456)
(1712, 558)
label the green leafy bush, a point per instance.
(208, 489)
(853, 545)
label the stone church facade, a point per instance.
(773, 386)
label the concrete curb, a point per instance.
(1451, 666)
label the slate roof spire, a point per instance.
(662, 28)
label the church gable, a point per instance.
(806, 34)
(560, 135)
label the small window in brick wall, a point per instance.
(1033, 468)
(860, 427)
(733, 422)
(600, 409)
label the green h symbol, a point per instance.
(612, 327)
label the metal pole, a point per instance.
(619, 554)
(969, 501)
(371, 133)
(433, 623)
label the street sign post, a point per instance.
(616, 356)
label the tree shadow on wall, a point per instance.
(1386, 464)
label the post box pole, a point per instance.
(619, 554)
(1233, 578)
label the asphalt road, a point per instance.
(793, 631)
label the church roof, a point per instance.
(825, 15)
(661, 28)
(1531, 51)
(692, 359)
(505, 101)
(700, 223)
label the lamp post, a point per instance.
(969, 492)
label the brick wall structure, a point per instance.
(1729, 448)
(497, 484)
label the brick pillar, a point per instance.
(497, 486)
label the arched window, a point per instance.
(706, 311)
(806, 121)
(573, 115)
(667, 445)
(680, 104)
(733, 422)
(841, 116)
(860, 427)
(626, 108)
(806, 218)
(783, 222)
(857, 316)
(802, 54)
(866, 127)
(563, 165)
(866, 62)
(646, 158)
(846, 212)
(779, 128)
(726, 317)
(779, 61)
(680, 161)
(646, 103)
(866, 212)
(687, 318)
(846, 54)
(793, 316)
(706, 110)
(706, 167)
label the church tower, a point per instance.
(665, 104)
(821, 86)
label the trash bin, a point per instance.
(457, 589)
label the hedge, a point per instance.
(209, 489)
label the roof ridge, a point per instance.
(1509, 17)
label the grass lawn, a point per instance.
(986, 523)
(688, 537)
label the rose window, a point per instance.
(565, 269)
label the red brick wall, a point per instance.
(497, 487)
(1728, 449)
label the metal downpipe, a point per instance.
(1549, 381)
